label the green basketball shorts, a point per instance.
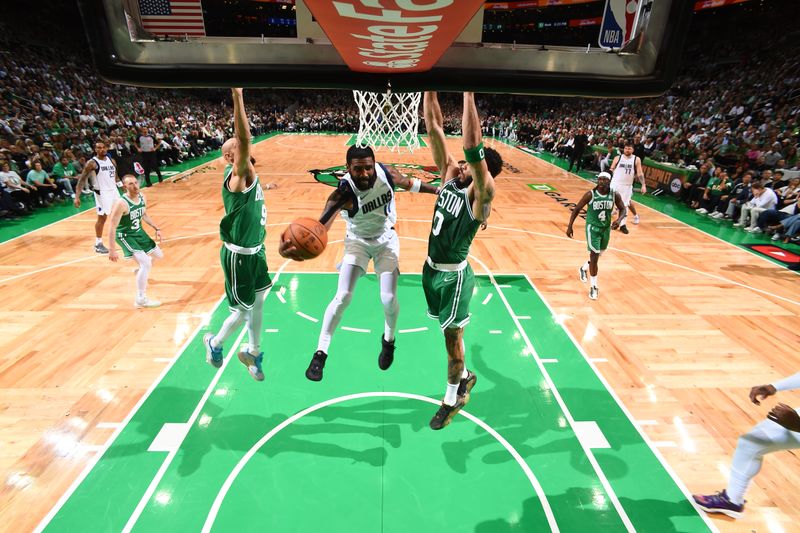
(135, 242)
(448, 295)
(597, 238)
(245, 275)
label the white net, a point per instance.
(388, 120)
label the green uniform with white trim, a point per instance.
(447, 277)
(242, 230)
(131, 236)
(598, 220)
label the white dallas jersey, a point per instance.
(105, 175)
(376, 213)
(625, 171)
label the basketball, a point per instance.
(308, 236)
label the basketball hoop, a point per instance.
(388, 119)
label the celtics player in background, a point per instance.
(599, 203)
(244, 262)
(126, 229)
(463, 204)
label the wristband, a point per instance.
(416, 183)
(474, 155)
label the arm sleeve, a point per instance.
(790, 383)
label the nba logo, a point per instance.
(139, 169)
(618, 25)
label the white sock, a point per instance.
(585, 266)
(593, 280)
(255, 319)
(451, 395)
(98, 240)
(391, 308)
(230, 325)
(348, 276)
(145, 263)
(465, 373)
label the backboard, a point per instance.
(601, 48)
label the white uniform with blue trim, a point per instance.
(105, 192)
(370, 225)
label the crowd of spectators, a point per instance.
(737, 130)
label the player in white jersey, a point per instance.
(106, 191)
(365, 196)
(623, 168)
(781, 431)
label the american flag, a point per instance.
(173, 17)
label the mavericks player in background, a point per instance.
(365, 196)
(126, 228)
(106, 190)
(244, 262)
(463, 204)
(599, 203)
(623, 168)
(781, 431)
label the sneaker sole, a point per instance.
(313, 378)
(733, 514)
(449, 418)
(470, 385)
(247, 360)
(209, 359)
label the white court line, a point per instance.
(45, 269)
(522, 317)
(223, 491)
(549, 361)
(303, 315)
(488, 297)
(413, 330)
(709, 523)
(108, 425)
(270, 330)
(564, 409)
(280, 297)
(647, 422)
(495, 331)
(121, 425)
(599, 360)
(168, 460)
(357, 330)
(163, 359)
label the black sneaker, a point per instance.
(314, 371)
(624, 229)
(465, 386)
(446, 413)
(387, 354)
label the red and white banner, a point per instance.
(579, 23)
(397, 36)
(711, 4)
(530, 4)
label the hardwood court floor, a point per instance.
(684, 326)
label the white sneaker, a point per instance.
(593, 293)
(635, 219)
(754, 230)
(582, 274)
(738, 224)
(717, 215)
(701, 211)
(146, 303)
(776, 237)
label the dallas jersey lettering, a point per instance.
(245, 214)
(598, 212)
(625, 171)
(454, 226)
(131, 222)
(105, 175)
(375, 213)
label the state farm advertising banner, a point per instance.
(711, 4)
(392, 35)
(498, 6)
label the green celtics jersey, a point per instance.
(454, 226)
(131, 222)
(598, 210)
(245, 214)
